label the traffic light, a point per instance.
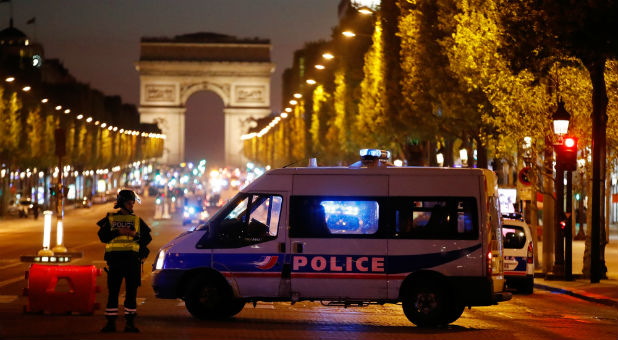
(567, 154)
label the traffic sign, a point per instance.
(524, 176)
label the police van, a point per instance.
(518, 254)
(428, 238)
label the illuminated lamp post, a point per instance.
(561, 126)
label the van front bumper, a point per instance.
(165, 283)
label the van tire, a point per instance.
(208, 299)
(455, 313)
(427, 304)
(234, 307)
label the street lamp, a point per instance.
(328, 56)
(563, 253)
(348, 34)
(365, 11)
(561, 120)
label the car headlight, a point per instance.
(160, 259)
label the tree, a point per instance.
(35, 128)
(372, 119)
(541, 33)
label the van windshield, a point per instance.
(246, 219)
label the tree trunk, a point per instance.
(548, 209)
(481, 155)
(596, 67)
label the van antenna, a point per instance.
(285, 166)
(296, 161)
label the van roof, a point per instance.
(383, 170)
(275, 178)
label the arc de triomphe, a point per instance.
(172, 69)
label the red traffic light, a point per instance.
(570, 142)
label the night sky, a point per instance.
(98, 41)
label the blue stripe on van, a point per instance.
(316, 263)
(409, 263)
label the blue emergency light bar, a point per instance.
(374, 153)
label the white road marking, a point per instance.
(16, 263)
(265, 305)
(86, 245)
(11, 281)
(7, 298)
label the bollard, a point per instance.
(166, 208)
(157, 215)
(59, 248)
(46, 234)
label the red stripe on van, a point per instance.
(339, 276)
(251, 274)
(512, 273)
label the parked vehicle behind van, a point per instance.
(427, 237)
(518, 255)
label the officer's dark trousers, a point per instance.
(130, 271)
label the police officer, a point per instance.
(126, 237)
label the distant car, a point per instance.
(518, 255)
(194, 213)
(86, 202)
(22, 208)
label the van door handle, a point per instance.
(298, 247)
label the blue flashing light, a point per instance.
(375, 153)
(341, 207)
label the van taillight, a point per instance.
(530, 255)
(489, 263)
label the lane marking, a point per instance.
(87, 244)
(16, 263)
(7, 298)
(265, 305)
(11, 281)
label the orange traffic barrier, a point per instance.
(59, 289)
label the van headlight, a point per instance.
(160, 259)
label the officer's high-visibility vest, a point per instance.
(123, 243)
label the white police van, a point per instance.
(429, 238)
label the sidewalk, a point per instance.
(605, 292)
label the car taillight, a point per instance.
(489, 271)
(530, 255)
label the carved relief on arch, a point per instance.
(187, 89)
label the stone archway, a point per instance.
(172, 69)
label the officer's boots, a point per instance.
(111, 324)
(129, 327)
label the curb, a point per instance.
(603, 301)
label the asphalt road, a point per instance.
(542, 315)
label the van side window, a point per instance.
(249, 219)
(333, 217)
(436, 218)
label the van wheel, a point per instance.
(208, 299)
(427, 305)
(527, 286)
(455, 313)
(234, 307)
